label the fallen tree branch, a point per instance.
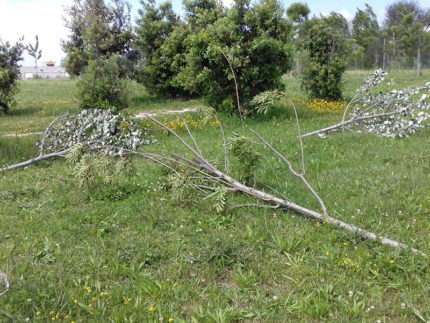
(280, 202)
(36, 160)
(349, 122)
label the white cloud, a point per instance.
(29, 18)
(345, 13)
(381, 16)
(227, 3)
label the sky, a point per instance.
(44, 18)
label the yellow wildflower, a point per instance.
(37, 313)
(327, 253)
(75, 301)
(151, 308)
(391, 261)
(170, 320)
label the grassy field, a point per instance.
(128, 253)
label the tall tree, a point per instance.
(365, 31)
(406, 25)
(97, 30)
(298, 12)
(161, 40)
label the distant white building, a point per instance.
(28, 72)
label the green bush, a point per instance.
(187, 57)
(9, 73)
(325, 44)
(101, 86)
(256, 39)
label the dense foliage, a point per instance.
(97, 30)
(161, 39)
(10, 56)
(324, 44)
(365, 33)
(101, 87)
(99, 51)
(193, 56)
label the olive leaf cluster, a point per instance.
(111, 134)
(403, 112)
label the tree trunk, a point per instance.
(419, 72)
(383, 55)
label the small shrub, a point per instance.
(101, 86)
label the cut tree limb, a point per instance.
(35, 160)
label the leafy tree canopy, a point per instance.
(97, 30)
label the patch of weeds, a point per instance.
(112, 193)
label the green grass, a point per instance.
(191, 264)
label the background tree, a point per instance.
(10, 56)
(97, 30)
(406, 26)
(161, 40)
(298, 13)
(34, 51)
(365, 31)
(325, 44)
(97, 48)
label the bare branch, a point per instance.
(300, 138)
(180, 139)
(224, 145)
(191, 135)
(239, 108)
(290, 166)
